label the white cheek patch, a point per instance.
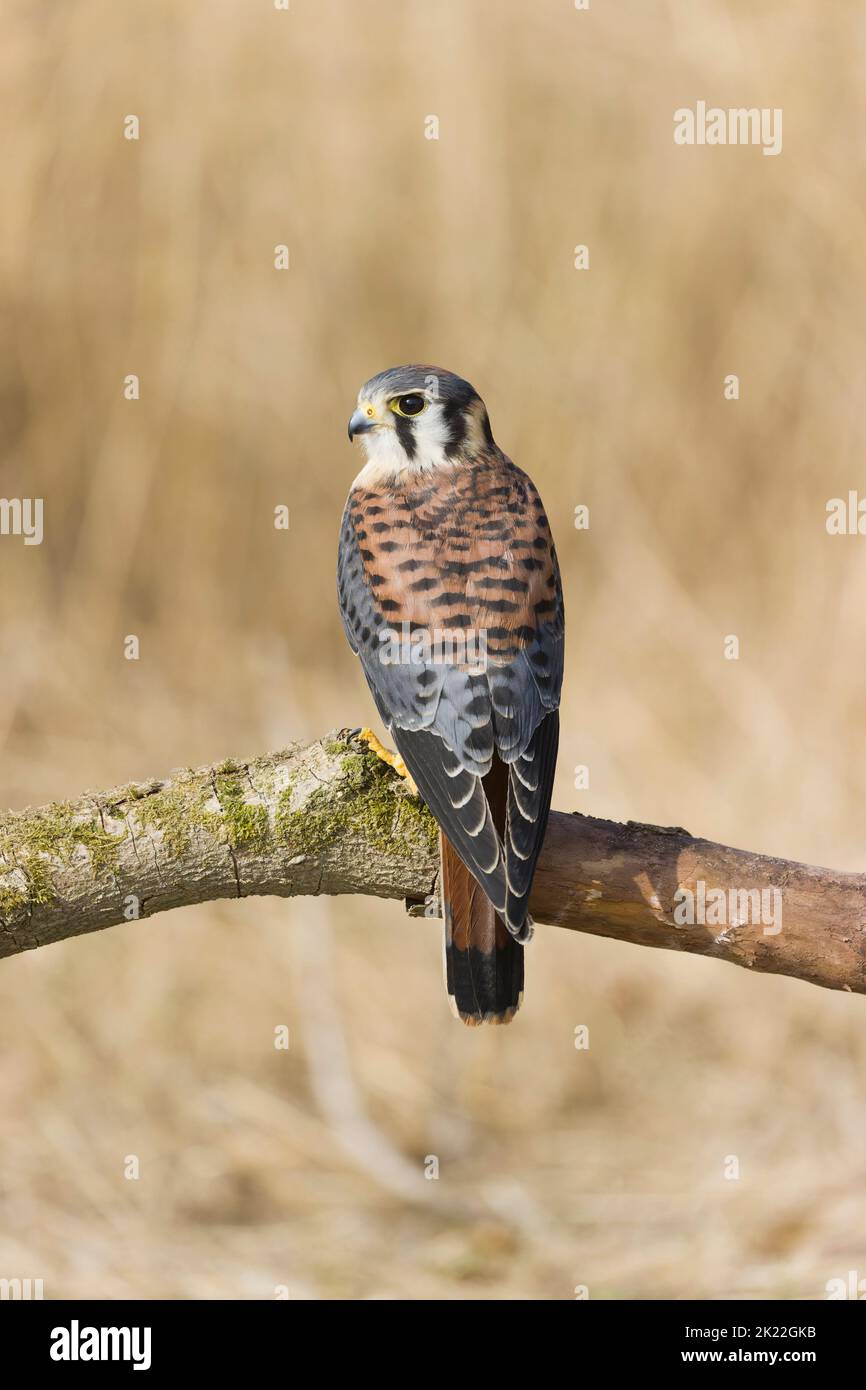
(386, 456)
(432, 436)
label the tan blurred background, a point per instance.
(558, 1167)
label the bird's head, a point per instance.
(414, 418)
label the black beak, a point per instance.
(359, 424)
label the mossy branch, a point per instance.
(330, 817)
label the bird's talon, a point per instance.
(392, 759)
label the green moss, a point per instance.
(354, 771)
(333, 746)
(35, 841)
(365, 800)
(57, 832)
(177, 810)
(245, 825)
(12, 903)
(40, 883)
(311, 828)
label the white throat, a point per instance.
(387, 459)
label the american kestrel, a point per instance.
(450, 594)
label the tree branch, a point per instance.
(330, 817)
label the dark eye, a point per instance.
(409, 405)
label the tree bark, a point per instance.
(330, 817)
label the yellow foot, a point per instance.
(392, 759)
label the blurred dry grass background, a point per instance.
(558, 1167)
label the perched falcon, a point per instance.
(450, 594)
